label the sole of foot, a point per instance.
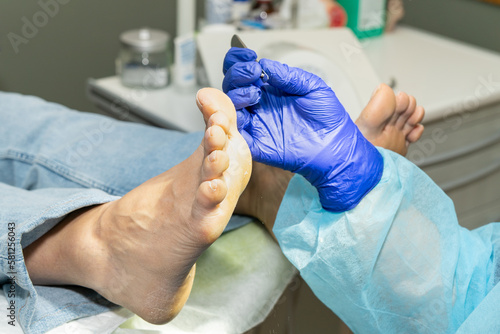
(154, 234)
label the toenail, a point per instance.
(212, 185)
(213, 156)
(197, 99)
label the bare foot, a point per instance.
(391, 122)
(140, 251)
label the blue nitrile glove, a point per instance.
(295, 122)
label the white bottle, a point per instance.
(185, 47)
(185, 62)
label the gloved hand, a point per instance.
(295, 122)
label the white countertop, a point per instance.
(166, 107)
(446, 76)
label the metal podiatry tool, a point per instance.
(236, 42)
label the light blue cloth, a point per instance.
(54, 161)
(398, 262)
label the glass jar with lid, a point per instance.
(143, 58)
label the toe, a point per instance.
(215, 139)
(215, 164)
(210, 194)
(209, 213)
(204, 104)
(379, 109)
(403, 118)
(402, 102)
(415, 134)
(413, 120)
(211, 100)
(219, 118)
(417, 116)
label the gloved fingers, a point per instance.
(291, 80)
(245, 96)
(240, 75)
(243, 119)
(237, 55)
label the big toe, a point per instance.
(380, 109)
(211, 100)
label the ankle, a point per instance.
(86, 250)
(264, 193)
(270, 203)
(69, 253)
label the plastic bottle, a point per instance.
(185, 47)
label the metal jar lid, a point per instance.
(145, 39)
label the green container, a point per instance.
(366, 18)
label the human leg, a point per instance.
(180, 212)
(45, 144)
(149, 240)
(183, 209)
(25, 216)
